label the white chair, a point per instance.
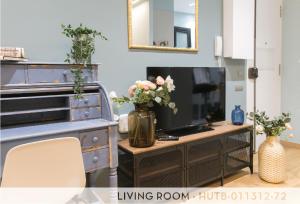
(48, 163)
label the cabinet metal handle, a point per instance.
(86, 101)
(95, 139)
(65, 76)
(95, 159)
(86, 113)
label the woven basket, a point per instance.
(272, 160)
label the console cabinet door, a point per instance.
(161, 168)
(204, 162)
(237, 152)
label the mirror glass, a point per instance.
(159, 24)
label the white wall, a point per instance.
(291, 63)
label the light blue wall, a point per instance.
(35, 25)
(291, 63)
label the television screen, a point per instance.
(199, 96)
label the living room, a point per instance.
(154, 93)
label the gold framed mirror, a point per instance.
(170, 25)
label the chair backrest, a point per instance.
(48, 163)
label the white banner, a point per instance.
(218, 195)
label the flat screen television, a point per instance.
(199, 96)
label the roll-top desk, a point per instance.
(38, 103)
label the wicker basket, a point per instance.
(272, 160)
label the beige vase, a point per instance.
(272, 160)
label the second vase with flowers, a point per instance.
(144, 95)
(271, 154)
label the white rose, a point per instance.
(259, 129)
(170, 84)
(171, 87)
(113, 94)
(159, 89)
(157, 99)
(288, 126)
(175, 110)
(172, 105)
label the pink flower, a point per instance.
(149, 85)
(160, 81)
(146, 87)
(131, 90)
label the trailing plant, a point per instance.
(78, 81)
(271, 127)
(83, 47)
(146, 93)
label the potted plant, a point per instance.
(141, 121)
(83, 47)
(271, 154)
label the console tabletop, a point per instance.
(218, 130)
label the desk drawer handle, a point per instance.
(95, 159)
(95, 139)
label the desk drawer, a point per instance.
(85, 113)
(98, 158)
(95, 138)
(13, 74)
(86, 101)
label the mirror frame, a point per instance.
(161, 48)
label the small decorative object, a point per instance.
(141, 121)
(271, 154)
(123, 123)
(81, 52)
(237, 115)
(12, 54)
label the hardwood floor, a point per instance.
(245, 179)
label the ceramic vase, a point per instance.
(272, 160)
(141, 127)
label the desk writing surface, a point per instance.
(218, 130)
(52, 129)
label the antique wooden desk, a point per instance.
(192, 161)
(38, 103)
